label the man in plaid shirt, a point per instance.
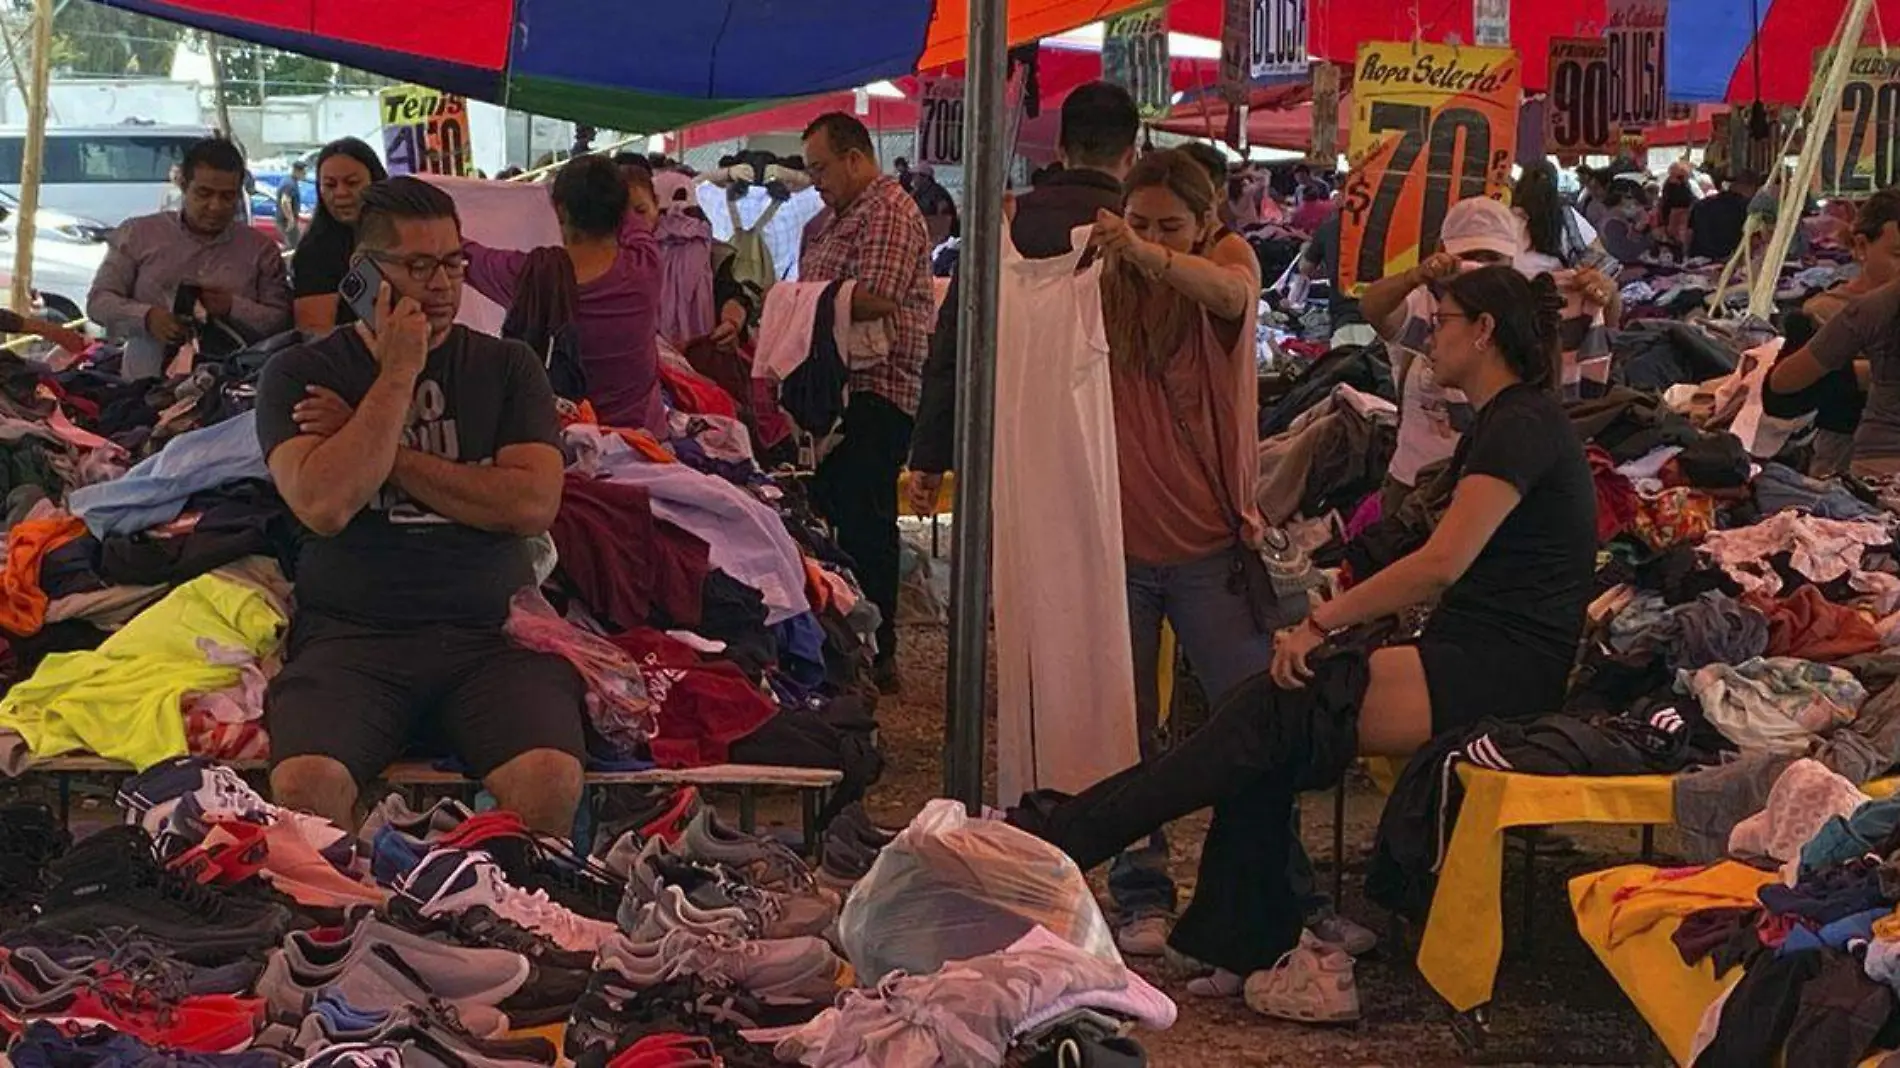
(876, 237)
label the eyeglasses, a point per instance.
(423, 268)
(1438, 318)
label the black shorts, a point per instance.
(363, 697)
(1469, 681)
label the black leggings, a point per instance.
(1259, 749)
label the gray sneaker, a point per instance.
(425, 1031)
(393, 811)
(453, 973)
(649, 920)
(764, 862)
(782, 971)
(710, 888)
(377, 981)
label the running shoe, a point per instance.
(455, 885)
(666, 818)
(111, 879)
(712, 887)
(438, 1037)
(131, 952)
(45, 1045)
(160, 1014)
(764, 862)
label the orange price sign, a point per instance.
(1431, 125)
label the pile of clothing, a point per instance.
(144, 598)
(213, 921)
(1805, 908)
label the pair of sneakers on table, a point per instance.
(1312, 983)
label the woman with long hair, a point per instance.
(1178, 304)
(1510, 567)
(345, 169)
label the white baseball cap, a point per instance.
(1481, 224)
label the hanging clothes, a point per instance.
(1065, 674)
(686, 276)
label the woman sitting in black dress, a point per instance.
(1510, 566)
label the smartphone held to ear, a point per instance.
(360, 288)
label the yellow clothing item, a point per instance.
(1464, 935)
(122, 699)
(1670, 995)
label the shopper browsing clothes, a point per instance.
(611, 267)
(1860, 331)
(876, 237)
(1839, 397)
(345, 169)
(1403, 308)
(162, 269)
(420, 455)
(1510, 566)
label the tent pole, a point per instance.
(985, 157)
(35, 150)
(1823, 103)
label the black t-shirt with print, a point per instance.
(1532, 581)
(398, 564)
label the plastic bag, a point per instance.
(951, 888)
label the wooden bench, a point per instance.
(746, 780)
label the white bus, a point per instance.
(105, 173)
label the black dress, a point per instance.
(1504, 636)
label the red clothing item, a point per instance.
(705, 705)
(1811, 627)
(697, 394)
(626, 565)
(1616, 498)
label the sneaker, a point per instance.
(1355, 938)
(801, 972)
(45, 1045)
(613, 1018)
(452, 883)
(441, 1037)
(855, 822)
(175, 801)
(670, 910)
(665, 816)
(1143, 936)
(453, 973)
(29, 838)
(846, 864)
(533, 861)
(161, 1016)
(764, 862)
(131, 953)
(713, 888)
(1312, 983)
(377, 980)
(111, 879)
(357, 1055)
(393, 811)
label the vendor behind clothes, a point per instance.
(421, 455)
(345, 169)
(239, 272)
(1859, 346)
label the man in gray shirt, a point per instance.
(238, 272)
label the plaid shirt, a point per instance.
(880, 241)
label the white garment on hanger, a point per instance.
(505, 215)
(1065, 674)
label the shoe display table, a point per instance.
(746, 780)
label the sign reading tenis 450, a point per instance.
(425, 131)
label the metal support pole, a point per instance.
(984, 173)
(35, 151)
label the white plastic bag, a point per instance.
(951, 887)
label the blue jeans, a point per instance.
(1216, 629)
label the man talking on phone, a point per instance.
(421, 455)
(204, 250)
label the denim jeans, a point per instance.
(1216, 628)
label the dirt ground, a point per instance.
(1555, 1004)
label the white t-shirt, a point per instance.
(1431, 416)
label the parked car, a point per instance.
(108, 173)
(67, 251)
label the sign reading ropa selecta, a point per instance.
(1431, 125)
